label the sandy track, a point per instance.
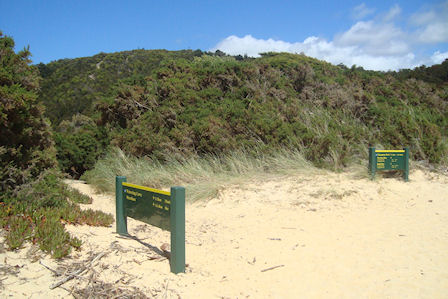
(331, 235)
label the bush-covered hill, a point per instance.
(219, 104)
(174, 105)
(437, 73)
(71, 86)
(162, 103)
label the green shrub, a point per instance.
(19, 229)
(33, 199)
(26, 146)
(39, 210)
(79, 144)
(52, 237)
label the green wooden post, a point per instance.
(406, 164)
(177, 223)
(372, 162)
(122, 226)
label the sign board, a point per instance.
(148, 205)
(163, 209)
(389, 160)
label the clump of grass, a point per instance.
(37, 212)
(53, 238)
(78, 197)
(202, 176)
(20, 229)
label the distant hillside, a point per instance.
(437, 73)
(217, 104)
(173, 104)
(71, 86)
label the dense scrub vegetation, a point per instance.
(26, 145)
(34, 203)
(71, 86)
(175, 104)
(80, 142)
(437, 73)
(172, 107)
(332, 113)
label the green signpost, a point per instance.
(389, 160)
(163, 209)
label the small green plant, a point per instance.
(19, 229)
(38, 211)
(53, 238)
(94, 218)
(77, 197)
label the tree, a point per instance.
(26, 146)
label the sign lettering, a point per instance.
(389, 160)
(148, 205)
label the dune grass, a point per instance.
(203, 177)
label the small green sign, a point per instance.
(163, 209)
(148, 205)
(389, 160)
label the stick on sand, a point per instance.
(272, 268)
(73, 275)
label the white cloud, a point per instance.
(377, 44)
(438, 57)
(432, 24)
(392, 13)
(434, 33)
(315, 47)
(375, 38)
(423, 18)
(361, 11)
(250, 46)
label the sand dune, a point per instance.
(321, 235)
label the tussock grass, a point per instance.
(202, 176)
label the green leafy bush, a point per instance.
(26, 145)
(72, 86)
(79, 144)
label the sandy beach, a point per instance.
(314, 235)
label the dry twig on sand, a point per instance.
(96, 288)
(7, 270)
(272, 268)
(52, 270)
(79, 272)
(99, 289)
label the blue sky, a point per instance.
(379, 35)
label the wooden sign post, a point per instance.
(163, 209)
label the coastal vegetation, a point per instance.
(193, 118)
(34, 202)
(191, 103)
